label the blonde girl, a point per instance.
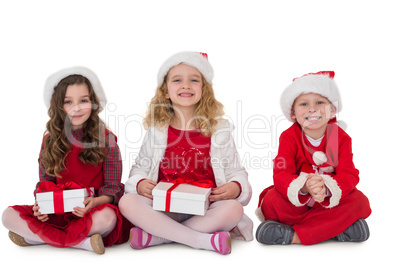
(186, 137)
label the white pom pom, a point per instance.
(319, 158)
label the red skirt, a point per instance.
(68, 230)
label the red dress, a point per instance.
(69, 230)
(186, 156)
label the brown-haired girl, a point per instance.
(186, 138)
(76, 147)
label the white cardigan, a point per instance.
(224, 160)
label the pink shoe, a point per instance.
(224, 242)
(136, 238)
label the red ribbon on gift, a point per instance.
(178, 181)
(57, 189)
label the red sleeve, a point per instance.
(347, 176)
(285, 170)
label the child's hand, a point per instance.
(230, 190)
(92, 202)
(145, 188)
(39, 215)
(320, 195)
(89, 203)
(315, 186)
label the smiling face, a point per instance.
(313, 111)
(77, 105)
(184, 85)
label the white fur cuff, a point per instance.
(294, 188)
(336, 192)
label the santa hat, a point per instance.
(321, 83)
(53, 80)
(197, 60)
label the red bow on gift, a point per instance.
(57, 189)
(178, 181)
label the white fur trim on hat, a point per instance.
(53, 80)
(195, 59)
(321, 83)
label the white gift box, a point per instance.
(71, 199)
(185, 198)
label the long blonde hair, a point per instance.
(160, 110)
(56, 143)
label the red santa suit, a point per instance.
(333, 161)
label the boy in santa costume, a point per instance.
(314, 196)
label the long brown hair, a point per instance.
(58, 130)
(160, 111)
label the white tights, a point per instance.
(103, 222)
(164, 227)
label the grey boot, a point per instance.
(357, 232)
(274, 233)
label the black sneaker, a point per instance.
(357, 232)
(274, 233)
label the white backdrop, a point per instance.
(256, 49)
